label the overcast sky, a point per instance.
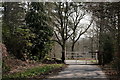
(61, 0)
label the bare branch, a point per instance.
(56, 18)
(84, 31)
(69, 36)
(57, 37)
(57, 42)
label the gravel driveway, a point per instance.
(80, 72)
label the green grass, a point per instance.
(34, 71)
(89, 60)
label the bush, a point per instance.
(108, 50)
(48, 60)
(5, 68)
(116, 64)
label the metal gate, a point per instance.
(81, 58)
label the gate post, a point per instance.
(96, 57)
(65, 53)
(99, 58)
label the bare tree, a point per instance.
(77, 29)
(60, 16)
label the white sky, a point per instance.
(86, 20)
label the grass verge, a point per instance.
(30, 73)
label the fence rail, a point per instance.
(79, 55)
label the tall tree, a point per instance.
(37, 21)
(108, 23)
(77, 28)
(60, 15)
(11, 26)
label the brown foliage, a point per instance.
(3, 50)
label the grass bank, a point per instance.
(33, 72)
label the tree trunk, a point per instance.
(92, 47)
(118, 34)
(100, 41)
(72, 49)
(63, 53)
